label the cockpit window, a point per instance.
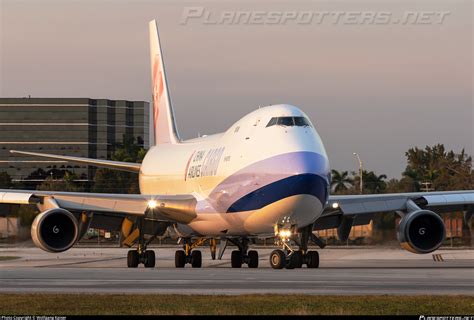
(302, 122)
(286, 121)
(272, 122)
(289, 121)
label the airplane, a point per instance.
(268, 175)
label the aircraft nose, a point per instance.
(305, 184)
(275, 179)
(306, 163)
(309, 175)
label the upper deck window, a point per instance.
(289, 121)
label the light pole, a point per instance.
(360, 172)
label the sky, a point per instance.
(369, 87)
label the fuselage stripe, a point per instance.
(311, 184)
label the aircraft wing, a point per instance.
(360, 209)
(172, 208)
(117, 165)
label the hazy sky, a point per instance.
(376, 89)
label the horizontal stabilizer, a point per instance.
(117, 165)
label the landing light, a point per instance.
(285, 233)
(152, 204)
(335, 205)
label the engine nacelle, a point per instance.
(421, 231)
(55, 230)
(179, 230)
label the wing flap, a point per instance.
(129, 206)
(15, 198)
(449, 199)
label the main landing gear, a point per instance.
(238, 257)
(135, 257)
(188, 255)
(288, 257)
(243, 255)
(141, 255)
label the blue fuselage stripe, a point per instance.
(310, 184)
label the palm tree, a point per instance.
(374, 183)
(379, 183)
(340, 180)
(5, 180)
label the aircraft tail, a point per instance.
(163, 127)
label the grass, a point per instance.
(6, 258)
(155, 304)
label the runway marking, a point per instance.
(438, 257)
(66, 281)
(226, 266)
(77, 262)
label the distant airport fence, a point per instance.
(359, 235)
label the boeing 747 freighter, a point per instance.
(266, 176)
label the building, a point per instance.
(9, 227)
(362, 232)
(80, 127)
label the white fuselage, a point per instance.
(247, 178)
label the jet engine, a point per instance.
(421, 231)
(55, 230)
(179, 230)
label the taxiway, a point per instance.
(342, 272)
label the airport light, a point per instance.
(360, 171)
(152, 204)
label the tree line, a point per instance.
(430, 169)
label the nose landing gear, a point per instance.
(288, 257)
(280, 259)
(312, 259)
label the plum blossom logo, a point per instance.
(157, 87)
